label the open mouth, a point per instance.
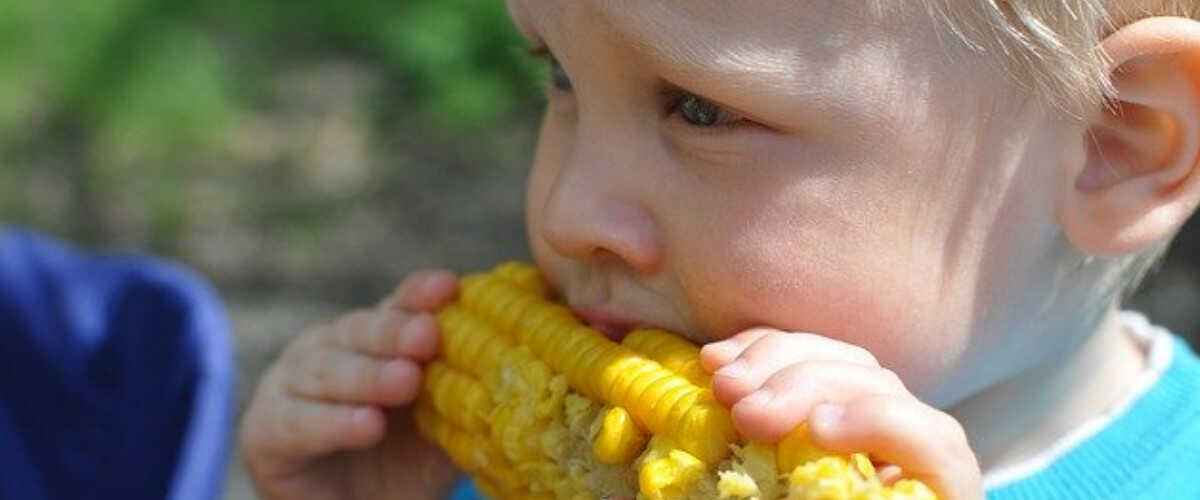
(614, 333)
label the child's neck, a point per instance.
(1014, 420)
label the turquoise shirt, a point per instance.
(1150, 452)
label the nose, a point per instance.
(596, 211)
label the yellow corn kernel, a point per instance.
(470, 344)
(619, 440)
(457, 395)
(670, 351)
(796, 449)
(468, 451)
(659, 400)
(752, 475)
(502, 301)
(733, 484)
(833, 478)
(912, 490)
(535, 405)
(524, 276)
(671, 477)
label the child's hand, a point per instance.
(323, 424)
(774, 380)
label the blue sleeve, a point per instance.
(465, 490)
(116, 376)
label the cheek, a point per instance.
(548, 159)
(833, 278)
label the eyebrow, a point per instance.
(700, 57)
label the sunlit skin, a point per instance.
(826, 202)
(871, 231)
(854, 185)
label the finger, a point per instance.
(771, 353)
(337, 375)
(424, 290)
(389, 333)
(789, 395)
(925, 443)
(717, 354)
(302, 428)
(771, 341)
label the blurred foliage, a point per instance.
(295, 147)
(187, 65)
(162, 125)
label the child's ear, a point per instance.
(1141, 178)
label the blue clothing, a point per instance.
(116, 376)
(465, 490)
(1150, 452)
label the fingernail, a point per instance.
(761, 397)
(362, 415)
(734, 370)
(719, 348)
(416, 324)
(826, 415)
(432, 284)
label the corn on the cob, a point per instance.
(535, 405)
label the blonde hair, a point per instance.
(1052, 47)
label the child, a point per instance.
(935, 194)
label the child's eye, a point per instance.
(558, 76)
(700, 112)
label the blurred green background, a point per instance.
(302, 154)
(275, 145)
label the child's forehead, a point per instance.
(654, 20)
(801, 51)
(679, 30)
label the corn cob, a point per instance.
(535, 405)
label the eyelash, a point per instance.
(542, 53)
(676, 98)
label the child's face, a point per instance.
(712, 166)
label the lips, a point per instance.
(612, 325)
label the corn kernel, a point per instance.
(535, 405)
